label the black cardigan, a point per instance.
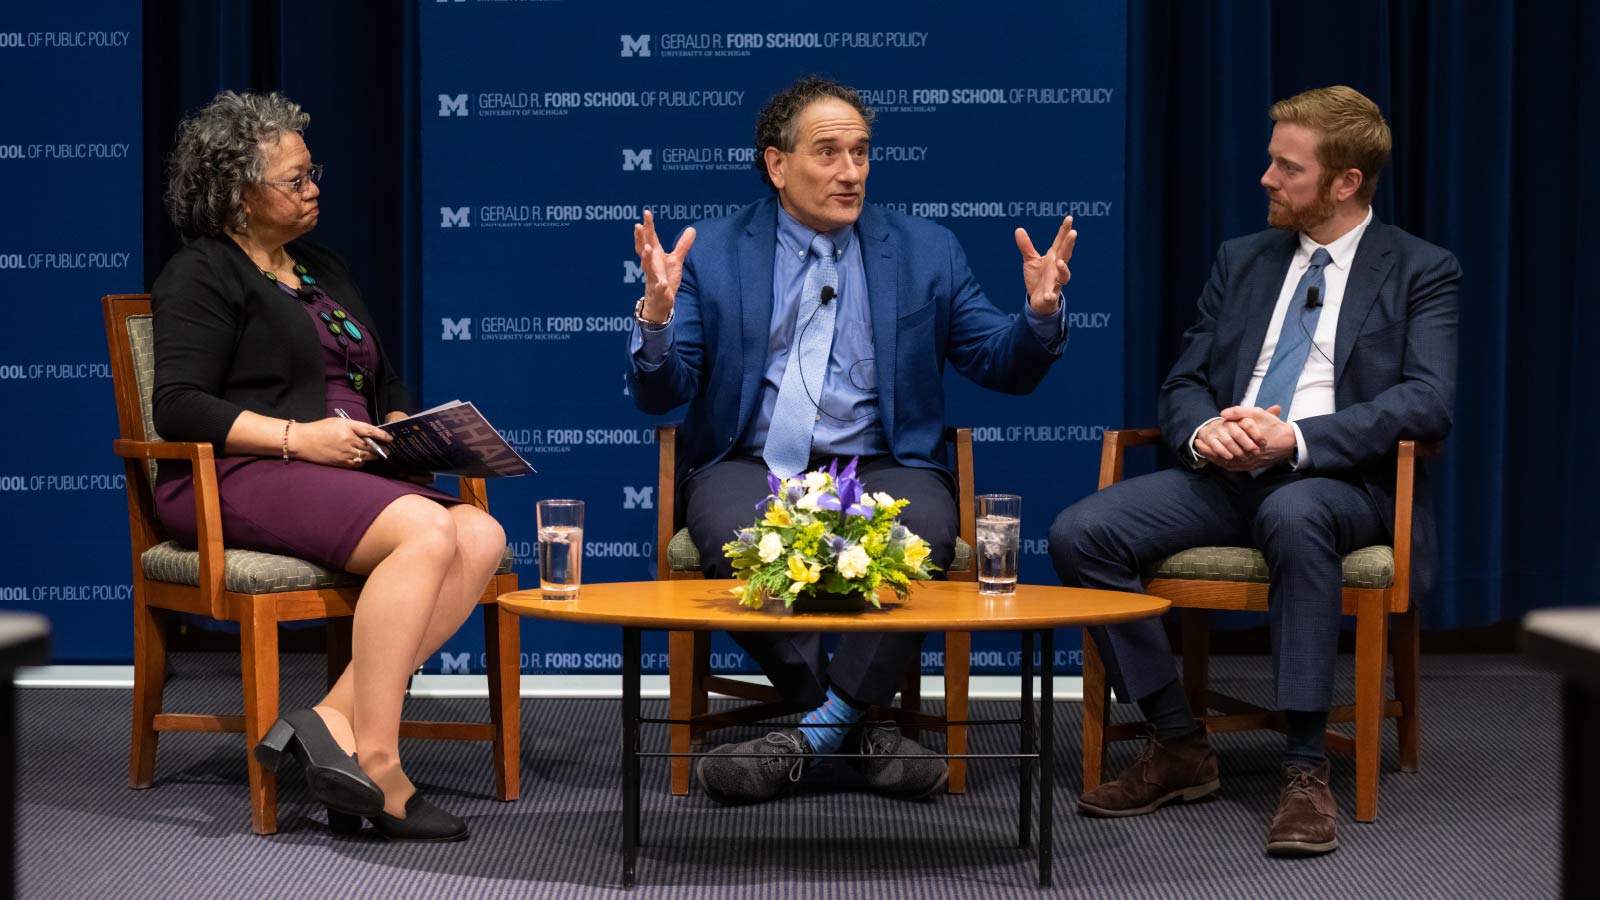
(228, 340)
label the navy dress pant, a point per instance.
(867, 668)
(1303, 524)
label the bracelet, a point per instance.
(286, 426)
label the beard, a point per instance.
(1302, 218)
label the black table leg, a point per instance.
(630, 754)
(1047, 740)
(1024, 806)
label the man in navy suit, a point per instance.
(811, 326)
(1320, 344)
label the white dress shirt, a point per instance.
(1313, 394)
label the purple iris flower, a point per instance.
(849, 492)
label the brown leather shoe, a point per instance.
(1306, 823)
(1181, 768)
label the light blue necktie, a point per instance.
(1294, 340)
(788, 446)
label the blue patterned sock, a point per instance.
(835, 716)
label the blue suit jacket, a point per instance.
(926, 308)
(1394, 364)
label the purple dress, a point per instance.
(296, 508)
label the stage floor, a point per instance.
(1481, 819)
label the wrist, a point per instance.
(652, 313)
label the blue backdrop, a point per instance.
(548, 128)
(1493, 160)
(70, 154)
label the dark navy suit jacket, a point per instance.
(1394, 364)
(926, 308)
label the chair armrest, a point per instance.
(1405, 477)
(666, 495)
(1112, 450)
(207, 510)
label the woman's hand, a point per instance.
(335, 442)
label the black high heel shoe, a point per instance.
(334, 776)
(423, 822)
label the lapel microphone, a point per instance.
(828, 293)
(1313, 297)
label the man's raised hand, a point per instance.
(663, 271)
(1045, 275)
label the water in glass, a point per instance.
(998, 537)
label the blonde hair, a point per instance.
(1353, 134)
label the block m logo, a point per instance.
(455, 218)
(455, 329)
(452, 106)
(638, 498)
(636, 159)
(635, 46)
(455, 663)
(632, 272)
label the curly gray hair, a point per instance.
(218, 155)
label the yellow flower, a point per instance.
(916, 551)
(801, 573)
(777, 516)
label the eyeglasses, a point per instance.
(298, 185)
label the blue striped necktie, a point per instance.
(788, 447)
(1294, 340)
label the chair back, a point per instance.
(131, 339)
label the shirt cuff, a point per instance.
(649, 345)
(1302, 456)
(1052, 329)
(1195, 459)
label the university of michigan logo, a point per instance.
(636, 160)
(635, 46)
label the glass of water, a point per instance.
(999, 533)
(560, 548)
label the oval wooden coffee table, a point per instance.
(695, 605)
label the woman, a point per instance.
(261, 340)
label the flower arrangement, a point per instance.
(822, 533)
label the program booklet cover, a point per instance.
(452, 439)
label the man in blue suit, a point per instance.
(811, 326)
(1320, 344)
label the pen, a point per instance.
(371, 444)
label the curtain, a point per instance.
(1493, 107)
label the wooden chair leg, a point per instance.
(340, 635)
(957, 676)
(149, 680)
(1197, 660)
(1406, 645)
(258, 651)
(911, 695)
(1096, 695)
(684, 682)
(1371, 620)
(502, 639)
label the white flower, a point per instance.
(853, 563)
(771, 547)
(816, 481)
(882, 499)
(809, 501)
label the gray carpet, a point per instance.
(1480, 820)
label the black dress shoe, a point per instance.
(423, 822)
(334, 776)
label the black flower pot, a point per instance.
(823, 602)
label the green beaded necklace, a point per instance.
(338, 323)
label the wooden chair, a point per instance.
(689, 652)
(257, 590)
(1377, 584)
